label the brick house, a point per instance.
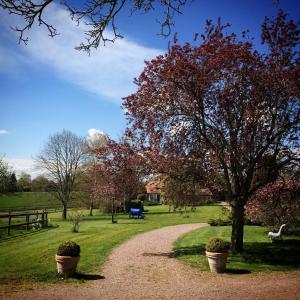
(153, 190)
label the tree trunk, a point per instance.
(113, 211)
(124, 204)
(91, 207)
(64, 212)
(237, 233)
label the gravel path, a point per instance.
(143, 268)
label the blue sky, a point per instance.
(48, 86)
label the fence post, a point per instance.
(27, 222)
(46, 221)
(43, 218)
(9, 222)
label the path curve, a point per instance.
(143, 268)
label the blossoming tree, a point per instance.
(117, 173)
(224, 105)
(276, 203)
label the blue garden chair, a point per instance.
(136, 212)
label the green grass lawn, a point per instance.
(30, 200)
(30, 257)
(259, 253)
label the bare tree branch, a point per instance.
(99, 15)
(31, 12)
(63, 158)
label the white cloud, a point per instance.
(108, 71)
(96, 138)
(23, 165)
(3, 132)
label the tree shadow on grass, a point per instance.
(82, 276)
(192, 250)
(292, 231)
(132, 222)
(22, 233)
(97, 218)
(284, 252)
(160, 212)
(237, 271)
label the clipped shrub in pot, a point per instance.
(217, 253)
(67, 258)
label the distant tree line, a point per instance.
(9, 183)
(8, 180)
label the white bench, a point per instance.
(276, 235)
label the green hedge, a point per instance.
(134, 204)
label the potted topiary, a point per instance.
(217, 253)
(67, 258)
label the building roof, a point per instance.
(153, 187)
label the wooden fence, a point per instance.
(17, 209)
(41, 219)
(52, 208)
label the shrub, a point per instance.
(217, 245)
(275, 204)
(219, 222)
(75, 219)
(134, 204)
(151, 203)
(248, 221)
(222, 222)
(105, 205)
(141, 197)
(68, 248)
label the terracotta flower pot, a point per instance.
(217, 261)
(66, 264)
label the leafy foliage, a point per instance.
(68, 248)
(8, 180)
(180, 185)
(217, 245)
(24, 182)
(219, 222)
(75, 219)
(118, 173)
(42, 184)
(276, 203)
(223, 107)
(134, 204)
(141, 197)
